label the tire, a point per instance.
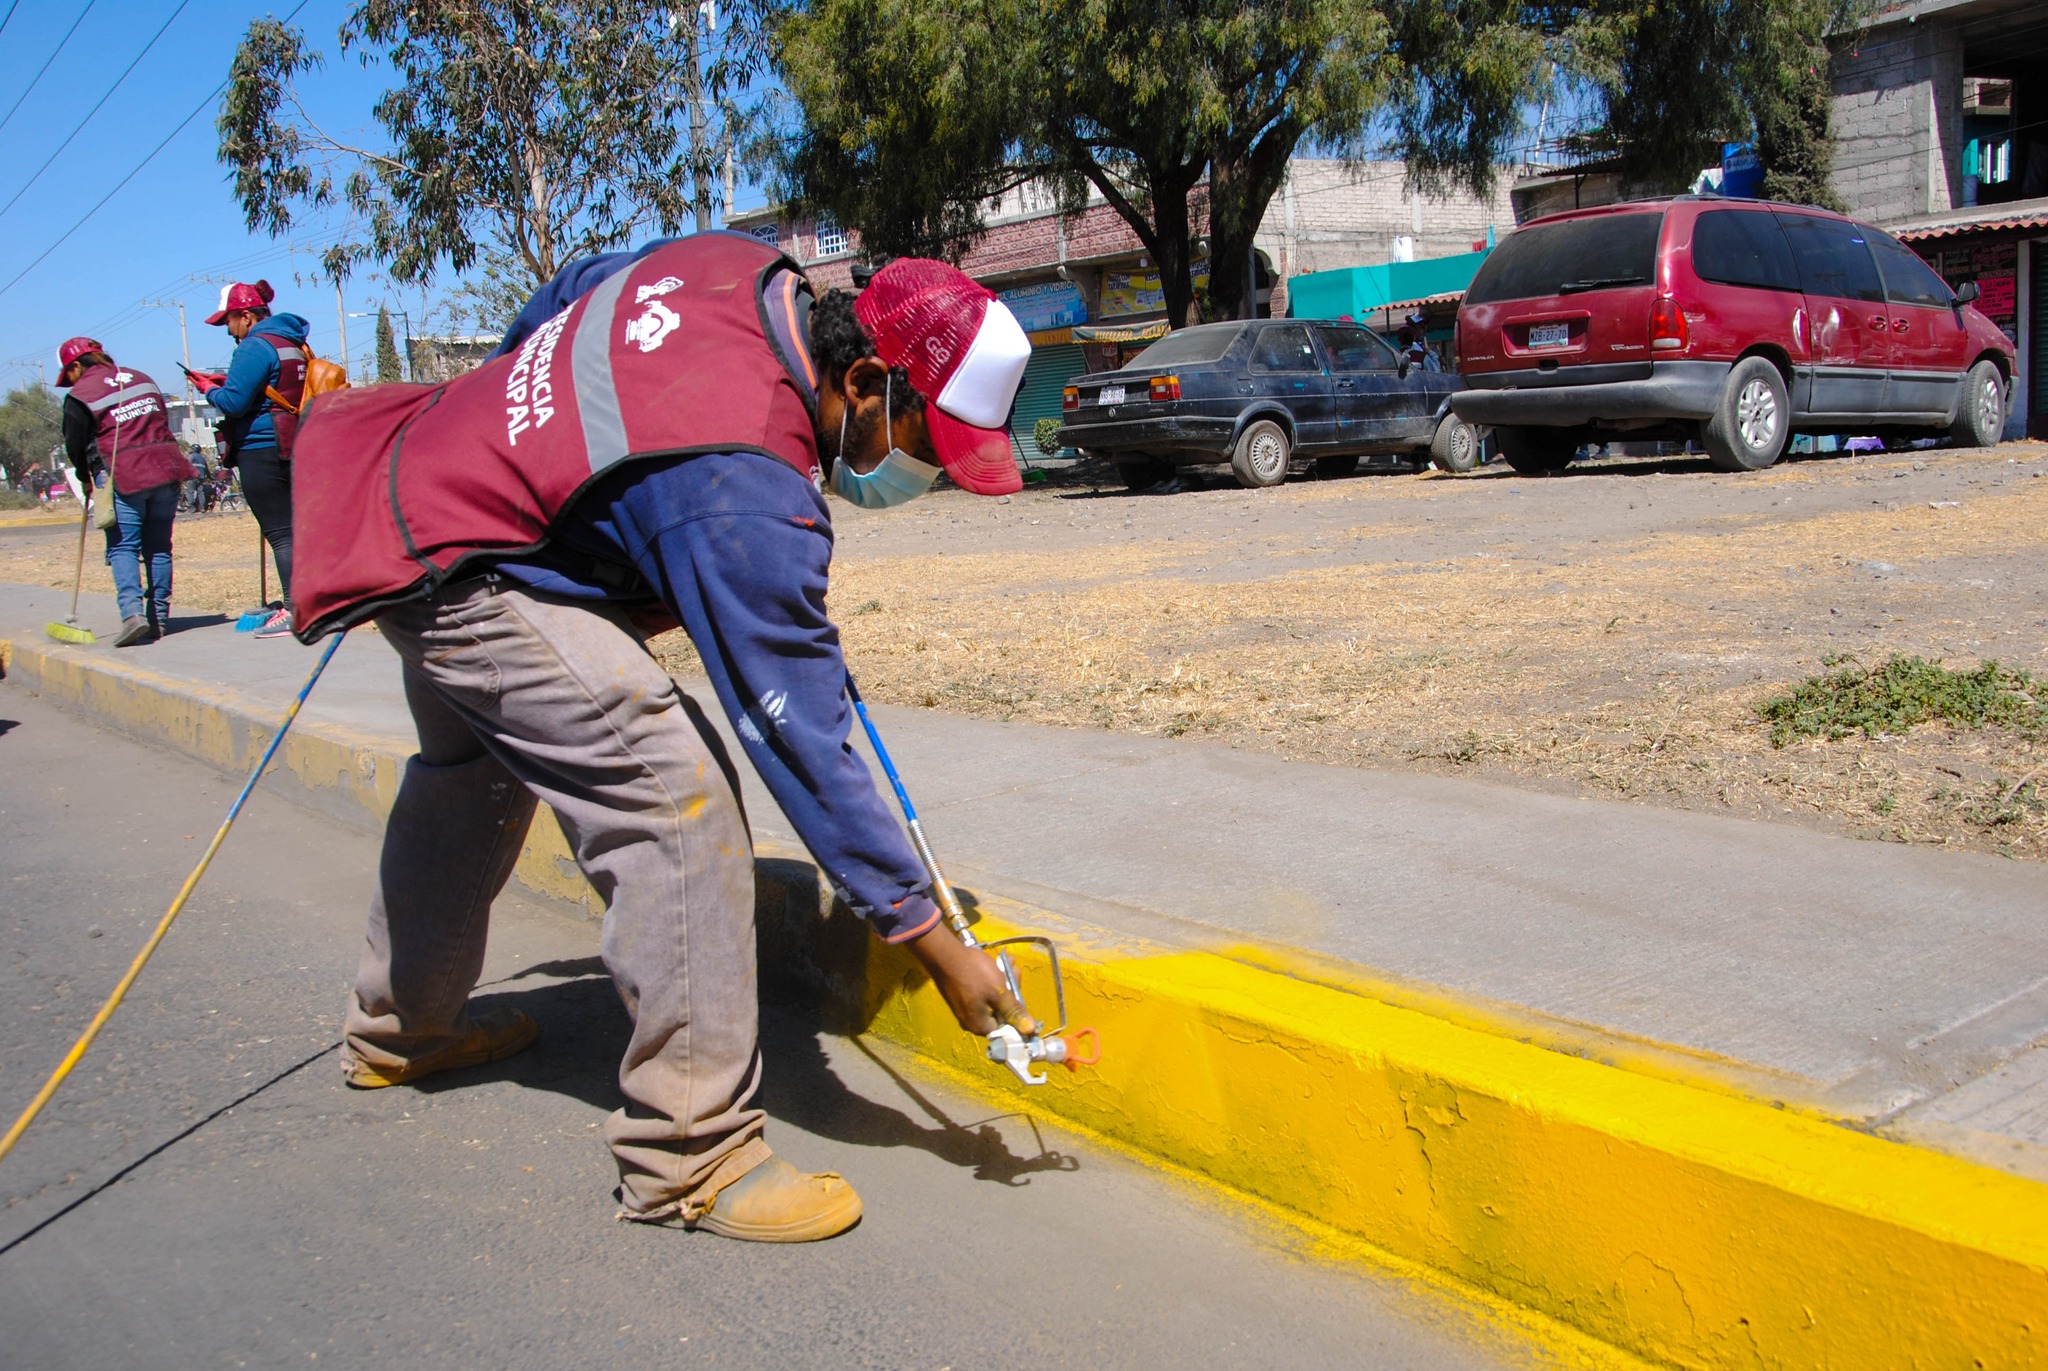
(1752, 423)
(1261, 455)
(1142, 473)
(1537, 451)
(1980, 413)
(1336, 468)
(1455, 448)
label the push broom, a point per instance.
(71, 631)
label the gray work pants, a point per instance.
(517, 695)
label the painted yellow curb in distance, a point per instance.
(1683, 1225)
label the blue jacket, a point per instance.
(738, 546)
(244, 407)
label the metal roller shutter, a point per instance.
(1045, 376)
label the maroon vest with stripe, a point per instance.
(291, 384)
(399, 488)
(133, 428)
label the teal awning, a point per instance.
(1358, 291)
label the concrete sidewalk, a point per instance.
(1392, 1004)
(1890, 985)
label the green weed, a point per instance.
(1903, 692)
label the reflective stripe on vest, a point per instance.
(136, 392)
(590, 365)
(289, 354)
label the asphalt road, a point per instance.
(206, 1192)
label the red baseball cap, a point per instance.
(71, 350)
(965, 353)
(239, 296)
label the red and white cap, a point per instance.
(71, 350)
(965, 353)
(240, 296)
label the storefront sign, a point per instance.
(1048, 305)
(1139, 292)
(1998, 296)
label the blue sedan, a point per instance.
(1256, 393)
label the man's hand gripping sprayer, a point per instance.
(1005, 1045)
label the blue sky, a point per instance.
(177, 218)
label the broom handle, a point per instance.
(78, 581)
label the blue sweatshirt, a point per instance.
(738, 547)
(244, 406)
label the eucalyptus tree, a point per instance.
(515, 131)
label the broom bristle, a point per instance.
(70, 633)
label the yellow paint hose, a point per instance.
(99, 1020)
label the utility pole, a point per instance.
(184, 340)
(341, 316)
(693, 87)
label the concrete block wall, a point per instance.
(1898, 117)
(1331, 214)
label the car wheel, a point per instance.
(1537, 451)
(1749, 428)
(1336, 468)
(1142, 473)
(1980, 414)
(1456, 446)
(1261, 455)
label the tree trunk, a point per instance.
(1173, 255)
(1242, 183)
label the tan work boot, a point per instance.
(773, 1202)
(492, 1036)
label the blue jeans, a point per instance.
(141, 536)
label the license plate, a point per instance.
(1549, 335)
(1111, 395)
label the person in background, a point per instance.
(115, 420)
(259, 400)
(1415, 342)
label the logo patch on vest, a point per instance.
(653, 327)
(661, 287)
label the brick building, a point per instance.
(1941, 138)
(1087, 293)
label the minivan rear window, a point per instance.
(1202, 343)
(1601, 253)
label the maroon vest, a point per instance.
(133, 429)
(291, 384)
(400, 488)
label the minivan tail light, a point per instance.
(1166, 387)
(1667, 324)
(1070, 398)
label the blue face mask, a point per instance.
(899, 479)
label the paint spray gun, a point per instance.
(1053, 1046)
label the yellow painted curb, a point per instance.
(1683, 1225)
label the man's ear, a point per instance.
(863, 378)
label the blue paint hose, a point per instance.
(949, 903)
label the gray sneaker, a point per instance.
(278, 625)
(134, 629)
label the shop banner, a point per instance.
(1139, 292)
(1048, 305)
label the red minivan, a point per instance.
(1733, 323)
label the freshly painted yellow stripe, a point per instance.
(1685, 1225)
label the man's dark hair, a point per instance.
(838, 341)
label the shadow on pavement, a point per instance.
(583, 1030)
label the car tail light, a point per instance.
(1458, 344)
(1070, 398)
(1667, 324)
(1166, 387)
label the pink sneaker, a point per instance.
(278, 625)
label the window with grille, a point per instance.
(831, 238)
(771, 234)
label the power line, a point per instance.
(95, 109)
(7, 16)
(52, 57)
(102, 202)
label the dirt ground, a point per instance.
(1608, 631)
